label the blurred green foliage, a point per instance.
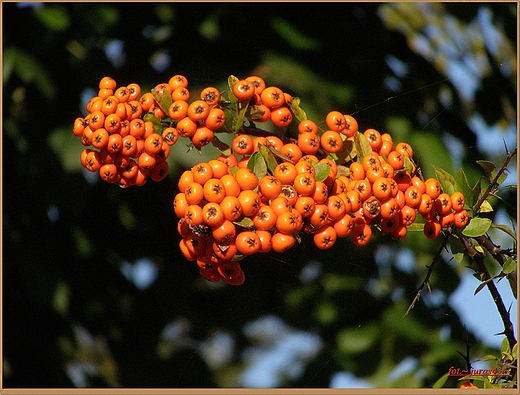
(72, 318)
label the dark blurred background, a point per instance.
(95, 290)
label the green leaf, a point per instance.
(298, 112)
(347, 152)
(362, 145)
(224, 148)
(257, 164)
(489, 168)
(441, 381)
(501, 178)
(255, 112)
(239, 121)
(149, 117)
(485, 207)
(322, 171)
(408, 165)
(488, 357)
(509, 265)
(53, 17)
(164, 101)
(477, 227)
(476, 190)
(245, 222)
(505, 229)
(482, 285)
(229, 122)
(457, 248)
(462, 185)
(232, 80)
(269, 158)
(416, 227)
(278, 154)
(446, 180)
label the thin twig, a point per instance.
(426, 281)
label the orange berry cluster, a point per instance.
(227, 212)
(128, 135)
(267, 190)
(122, 146)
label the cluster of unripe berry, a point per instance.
(264, 192)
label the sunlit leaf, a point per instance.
(245, 222)
(446, 180)
(489, 168)
(229, 121)
(509, 265)
(239, 121)
(416, 227)
(279, 154)
(501, 178)
(257, 164)
(232, 80)
(485, 207)
(322, 171)
(488, 357)
(408, 165)
(164, 100)
(256, 112)
(343, 171)
(462, 185)
(269, 158)
(150, 117)
(298, 112)
(477, 227)
(362, 145)
(441, 381)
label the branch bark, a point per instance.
(497, 298)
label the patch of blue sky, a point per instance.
(114, 51)
(478, 312)
(142, 273)
(348, 380)
(491, 138)
(281, 352)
